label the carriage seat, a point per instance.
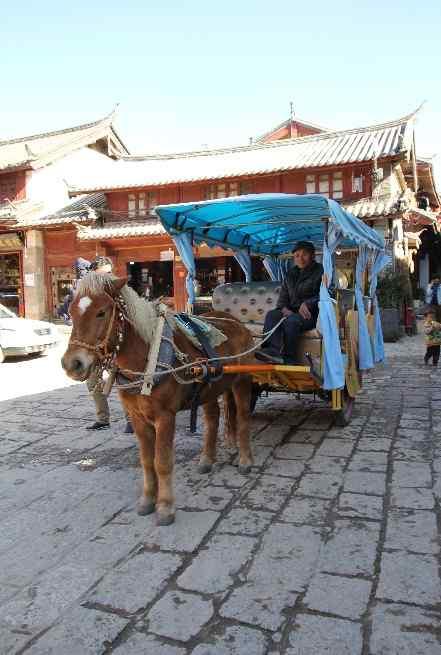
(250, 301)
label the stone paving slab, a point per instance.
(329, 546)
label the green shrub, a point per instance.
(394, 289)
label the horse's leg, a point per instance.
(164, 462)
(211, 427)
(242, 395)
(230, 420)
(146, 437)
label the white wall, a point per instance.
(50, 184)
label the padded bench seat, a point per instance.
(249, 302)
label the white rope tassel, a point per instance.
(149, 372)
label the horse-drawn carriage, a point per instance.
(160, 367)
(348, 337)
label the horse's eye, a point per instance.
(101, 313)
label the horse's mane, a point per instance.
(140, 312)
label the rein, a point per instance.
(107, 356)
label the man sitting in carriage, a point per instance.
(298, 304)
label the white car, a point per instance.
(23, 336)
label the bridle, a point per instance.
(107, 355)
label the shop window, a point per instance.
(310, 184)
(140, 204)
(337, 185)
(357, 183)
(10, 282)
(8, 187)
(329, 185)
(245, 188)
(227, 189)
(132, 205)
(323, 185)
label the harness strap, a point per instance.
(152, 360)
(207, 348)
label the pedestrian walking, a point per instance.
(433, 296)
(432, 331)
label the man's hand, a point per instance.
(304, 311)
(286, 312)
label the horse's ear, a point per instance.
(118, 284)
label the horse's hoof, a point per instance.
(204, 467)
(145, 507)
(164, 519)
(244, 469)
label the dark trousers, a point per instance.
(284, 340)
(432, 352)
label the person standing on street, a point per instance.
(433, 296)
(432, 330)
(95, 381)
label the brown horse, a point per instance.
(113, 327)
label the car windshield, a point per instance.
(6, 313)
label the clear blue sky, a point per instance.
(187, 74)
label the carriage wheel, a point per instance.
(344, 415)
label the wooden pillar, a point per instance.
(180, 292)
(35, 293)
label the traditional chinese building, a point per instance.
(373, 171)
(33, 188)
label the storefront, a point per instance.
(11, 272)
(151, 279)
(62, 279)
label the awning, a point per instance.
(267, 224)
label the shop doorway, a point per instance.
(62, 283)
(151, 279)
(11, 288)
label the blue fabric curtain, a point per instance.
(185, 250)
(333, 364)
(277, 269)
(379, 261)
(365, 357)
(244, 261)
(272, 268)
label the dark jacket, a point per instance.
(301, 285)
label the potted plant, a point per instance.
(394, 293)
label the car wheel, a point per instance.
(2, 355)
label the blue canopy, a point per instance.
(270, 225)
(266, 224)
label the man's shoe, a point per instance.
(129, 428)
(98, 425)
(268, 357)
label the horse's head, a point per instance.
(95, 319)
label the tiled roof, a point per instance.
(262, 138)
(374, 207)
(329, 148)
(14, 210)
(121, 231)
(80, 209)
(40, 149)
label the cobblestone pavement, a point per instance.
(331, 545)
